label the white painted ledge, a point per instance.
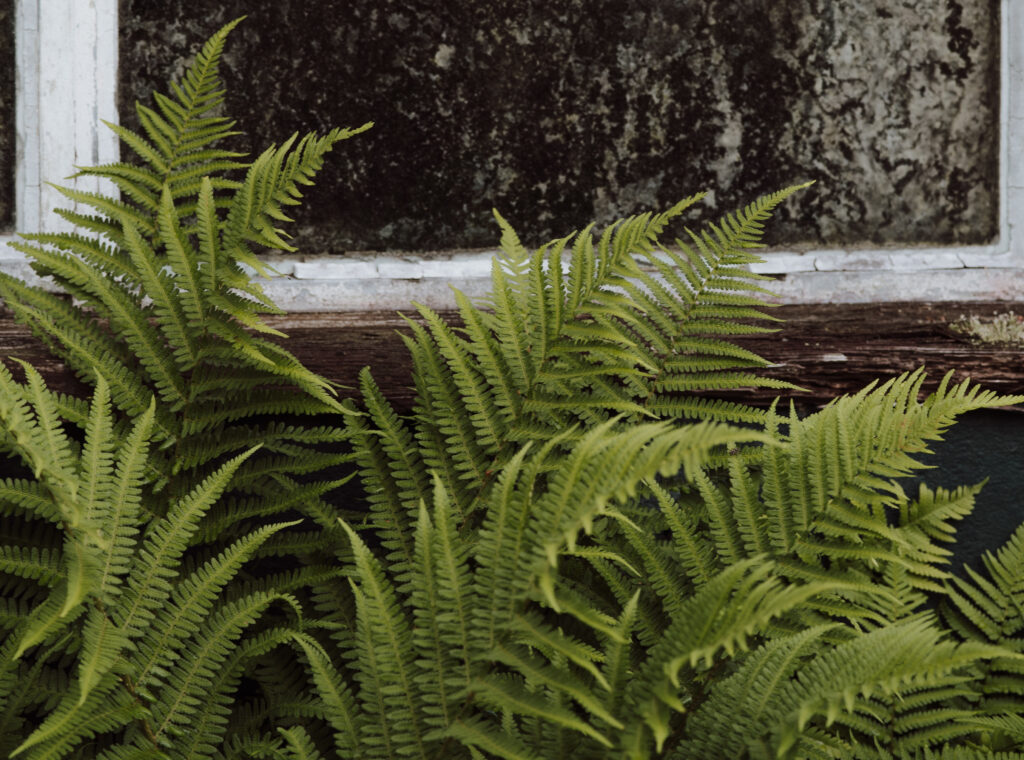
(394, 283)
(391, 283)
(805, 287)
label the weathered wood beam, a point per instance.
(827, 349)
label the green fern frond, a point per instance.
(298, 744)
(211, 647)
(537, 672)
(986, 607)
(507, 695)
(479, 734)
(29, 562)
(214, 716)
(340, 706)
(191, 602)
(560, 346)
(897, 658)
(386, 663)
(273, 181)
(74, 722)
(741, 706)
(442, 602)
(163, 544)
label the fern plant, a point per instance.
(549, 352)
(107, 631)
(780, 573)
(165, 307)
(508, 646)
(140, 605)
(568, 548)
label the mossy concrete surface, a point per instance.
(558, 112)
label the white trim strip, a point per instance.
(66, 82)
(26, 114)
(388, 295)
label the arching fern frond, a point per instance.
(827, 503)
(790, 688)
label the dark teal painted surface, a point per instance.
(984, 444)
(6, 114)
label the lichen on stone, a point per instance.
(1001, 329)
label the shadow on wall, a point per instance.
(983, 444)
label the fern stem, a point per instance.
(147, 730)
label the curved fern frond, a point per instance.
(900, 658)
(340, 707)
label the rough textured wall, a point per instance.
(561, 111)
(6, 114)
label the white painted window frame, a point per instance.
(66, 63)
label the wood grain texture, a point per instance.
(826, 349)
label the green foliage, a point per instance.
(109, 590)
(123, 587)
(775, 606)
(567, 548)
(165, 306)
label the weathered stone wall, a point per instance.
(561, 111)
(6, 114)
